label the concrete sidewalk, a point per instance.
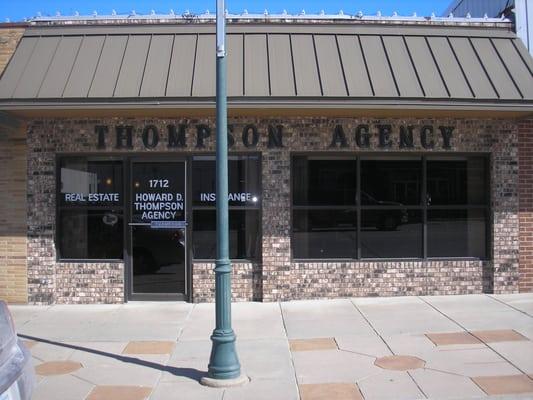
(453, 347)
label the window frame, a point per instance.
(423, 206)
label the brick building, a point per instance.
(369, 156)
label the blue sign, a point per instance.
(168, 224)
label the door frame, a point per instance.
(128, 259)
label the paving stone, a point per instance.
(332, 366)
(138, 371)
(371, 345)
(312, 344)
(264, 389)
(452, 338)
(149, 347)
(399, 362)
(470, 362)
(520, 301)
(494, 385)
(408, 315)
(389, 385)
(337, 391)
(440, 385)
(52, 352)
(416, 345)
(120, 393)
(479, 312)
(61, 387)
(265, 359)
(329, 318)
(519, 353)
(57, 368)
(502, 335)
(185, 390)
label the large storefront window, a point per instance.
(389, 207)
(244, 207)
(91, 209)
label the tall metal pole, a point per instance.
(224, 363)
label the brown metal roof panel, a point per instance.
(378, 66)
(305, 67)
(516, 66)
(329, 66)
(234, 51)
(84, 67)
(280, 62)
(449, 68)
(204, 67)
(402, 67)
(32, 78)
(524, 54)
(495, 69)
(255, 65)
(479, 82)
(105, 77)
(426, 67)
(61, 65)
(353, 62)
(154, 81)
(133, 66)
(181, 66)
(16, 66)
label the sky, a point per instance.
(16, 10)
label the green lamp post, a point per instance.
(224, 367)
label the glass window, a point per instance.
(324, 182)
(324, 215)
(91, 234)
(391, 182)
(324, 233)
(457, 233)
(244, 187)
(401, 215)
(84, 182)
(456, 182)
(391, 233)
(90, 217)
(244, 236)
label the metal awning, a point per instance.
(270, 66)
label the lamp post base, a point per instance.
(223, 383)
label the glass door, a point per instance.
(158, 234)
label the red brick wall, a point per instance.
(525, 160)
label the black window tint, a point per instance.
(324, 181)
(244, 237)
(324, 233)
(243, 181)
(391, 233)
(95, 183)
(456, 182)
(457, 233)
(391, 183)
(91, 234)
(244, 187)
(90, 197)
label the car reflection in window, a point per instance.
(383, 220)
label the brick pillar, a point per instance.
(276, 225)
(505, 208)
(525, 199)
(13, 241)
